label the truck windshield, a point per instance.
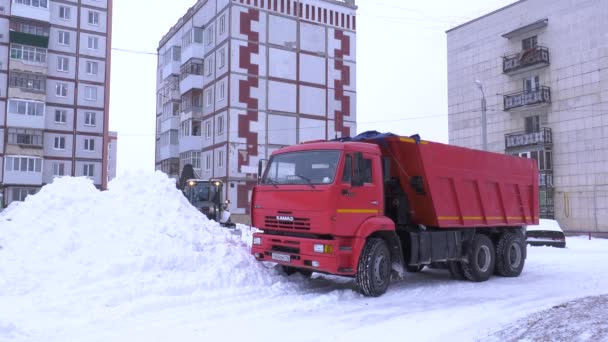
(307, 167)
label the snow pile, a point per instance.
(141, 233)
(544, 224)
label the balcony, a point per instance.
(524, 61)
(524, 99)
(190, 82)
(192, 113)
(545, 179)
(40, 12)
(190, 143)
(521, 139)
(168, 124)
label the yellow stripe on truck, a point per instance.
(357, 211)
(479, 218)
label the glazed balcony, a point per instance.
(524, 99)
(515, 140)
(524, 61)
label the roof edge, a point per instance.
(485, 15)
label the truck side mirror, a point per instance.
(261, 167)
(357, 169)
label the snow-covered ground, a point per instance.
(138, 263)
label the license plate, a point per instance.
(281, 257)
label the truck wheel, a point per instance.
(481, 259)
(414, 269)
(455, 268)
(374, 268)
(290, 270)
(510, 255)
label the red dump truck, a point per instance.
(371, 206)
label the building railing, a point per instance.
(541, 95)
(538, 56)
(542, 137)
(545, 178)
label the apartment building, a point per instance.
(54, 93)
(238, 79)
(542, 66)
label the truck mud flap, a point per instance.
(427, 247)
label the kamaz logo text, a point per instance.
(285, 218)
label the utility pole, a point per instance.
(484, 122)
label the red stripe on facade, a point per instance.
(255, 3)
(246, 53)
(348, 21)
(301, 10)
(331, 17)
(262, 3)
(354, 22)
(313, 17)
(288, 6)
(339, 85)
(282, 6)
(342, 19)
(319, 14)
(243, 196)
(274, 5)
(325, 15)
(307, 11)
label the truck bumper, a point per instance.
(337, 256)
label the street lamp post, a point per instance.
(484, 122)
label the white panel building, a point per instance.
(543, 67)
(238, 79)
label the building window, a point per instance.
(90, 118)
(223, 24)
(28, 53)
(24, 136)
(93, 43)
(209, 66)
(60, 116)
(90, 93)
(221, 92)
(89, 170)
(220, 159)
(58, 169)
(210, 35)
(29, 27)
(61, 89)
(33, 3)
(209, 97)
(208, 130)
(25, 107)
(28, 81)
(222, 57)
(208, 162)
(94, 18)
(533, 124)
(64, 13)
(89, 145)
(531, 84)
(92, 68)
(529, 43)
(23, 164)
(20, 194)
(63, 64)
(59, 143)
(64, 38)
(220, 125)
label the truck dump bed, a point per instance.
(455, 187)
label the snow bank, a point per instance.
(545, 224)
(141, 231)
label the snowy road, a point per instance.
(140, 274)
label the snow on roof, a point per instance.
(545, 224)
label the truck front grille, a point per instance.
(298, 223)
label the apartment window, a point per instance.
(63, 64)
(170, 137)
(210, 35)
(208, 162)
(59, 143)
(529, 43)
(93, 43)
(29, 27)
(531, 84)
(28, 53)
(58, 169)
(209, 66)
(61, 116)
(23, 164)
(25, 107)
(208, 130)
(220, 125)
(185, 128)
(221, 91)
(94, 18)
(223, 24)
(222, 57)
(28, 81)
(61, 89)
(64, 13)
(90, 93)
(209, 97)
(92, 68)
(89, 170)
(33, 3)
(532, 124)
(64, 38)
(89, 145)
(24, 136)
(90, 118)
(220, 159)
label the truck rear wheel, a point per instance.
(510, 255)
(374, 268)
(455, 268)
(481, 259)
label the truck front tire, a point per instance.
(510, 255)
(374, 268)
(481, 259)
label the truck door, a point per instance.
(356, 203)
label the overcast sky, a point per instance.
(401, 68)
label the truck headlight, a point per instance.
(257, 240)
(320, 248)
